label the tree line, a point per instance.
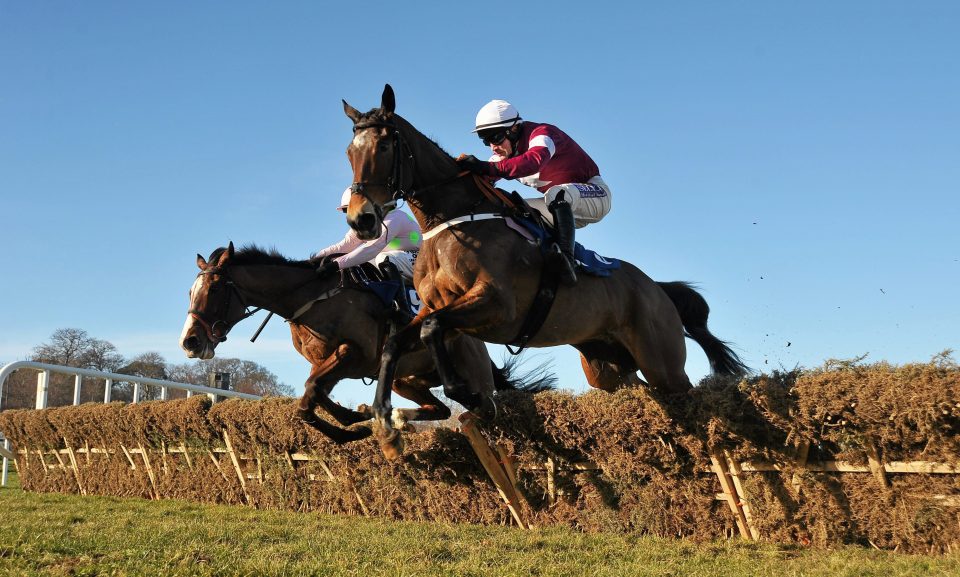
(76, 348)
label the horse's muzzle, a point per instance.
(366, 225)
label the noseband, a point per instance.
(211, 327)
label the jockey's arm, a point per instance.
(350, 242)
(530, 162)
(366, 251)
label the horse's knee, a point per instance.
(430, 330)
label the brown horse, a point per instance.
(339, 327)
(476, 276)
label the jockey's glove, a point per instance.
(328, 267)
(473, 164)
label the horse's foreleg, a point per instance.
(417, 389)
(395, 346)
(345, 354)
(317, 389)
(472, 309)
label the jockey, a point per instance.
(544, 157)
(394, 252)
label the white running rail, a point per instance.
(43, 382)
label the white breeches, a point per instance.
(402, 259)
(590, 202)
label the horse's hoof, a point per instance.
(392, 445)
(308, 417)
(487, 411)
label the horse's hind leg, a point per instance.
(600, 374)
(661, 355)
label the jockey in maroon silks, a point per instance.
(544, 157)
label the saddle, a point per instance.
(397, 296)
(544, 234)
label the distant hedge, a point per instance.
(651, 453)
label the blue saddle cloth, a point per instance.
(387, 290)
(587, 260)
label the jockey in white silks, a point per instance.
(394, 250)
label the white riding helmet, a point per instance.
(496, 114)
(345, 199)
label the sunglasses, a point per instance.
(494, 138)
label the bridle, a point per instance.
(213, 335)
(395, 182)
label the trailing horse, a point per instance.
(339, 327)
(478, 277)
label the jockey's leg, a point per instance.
(388, 266)
(565, 230)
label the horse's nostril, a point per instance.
(191, 343)
(366, 221)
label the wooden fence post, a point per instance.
(719, 461)
(236, 466)
(492, 466)
(150, 475)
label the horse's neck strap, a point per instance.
(310, 304)
(459, 220)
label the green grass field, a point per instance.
(52, 534)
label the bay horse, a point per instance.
(476, 276)
(339, 327)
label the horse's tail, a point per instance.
(538, 379)
(694, 310)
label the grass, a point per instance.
(53, 534)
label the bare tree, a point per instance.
(151, 365)
(246, 376)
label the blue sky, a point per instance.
(799, 161)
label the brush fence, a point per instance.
(828, 457)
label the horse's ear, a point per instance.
(225, 255)
(201, 262)
(388, 101)
(351, 112)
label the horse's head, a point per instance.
(376, 154)
(215, 306)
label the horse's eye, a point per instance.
(382, 147)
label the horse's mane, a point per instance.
(380, 116)
(252, 254)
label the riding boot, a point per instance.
(564, 227)
(391, 272)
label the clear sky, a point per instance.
(800, 161)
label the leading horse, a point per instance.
(478, 277)
(339, 327)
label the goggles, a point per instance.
(495, 138)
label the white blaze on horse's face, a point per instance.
(194, 330)
(361, 138)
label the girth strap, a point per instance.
(539, 309)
